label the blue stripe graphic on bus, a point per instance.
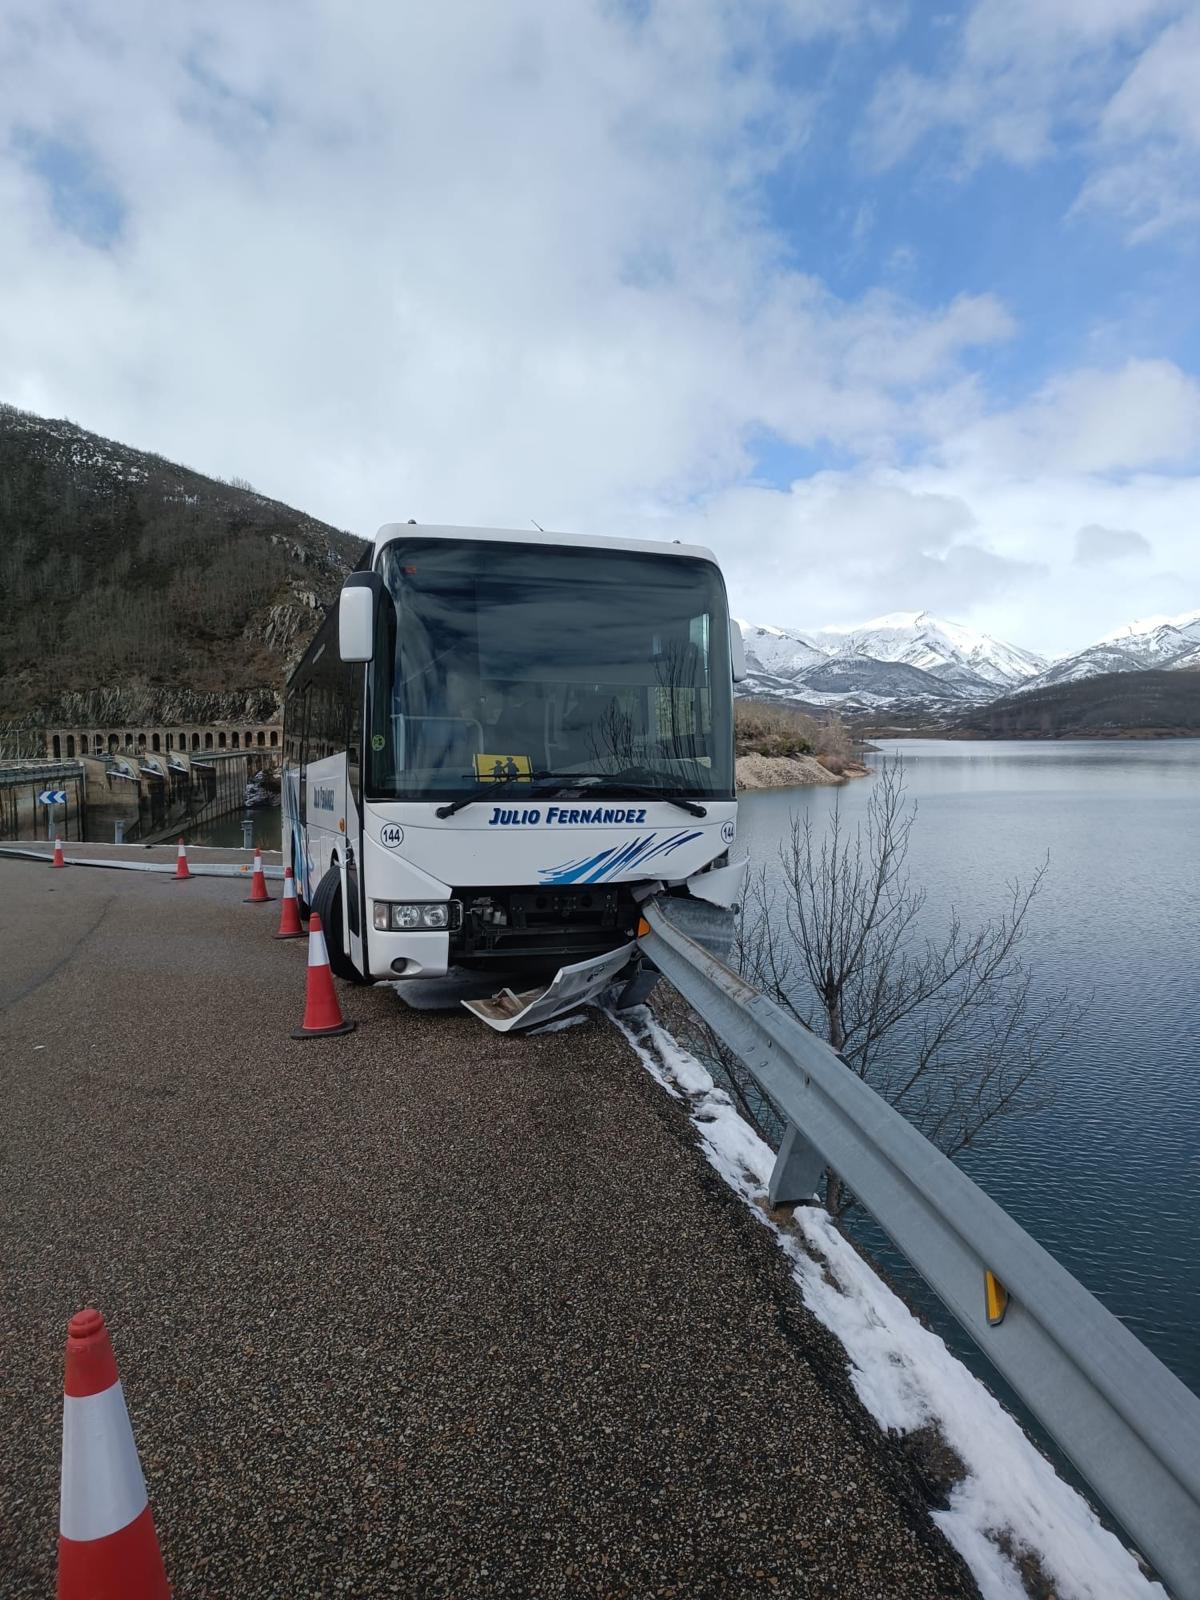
(618, 858)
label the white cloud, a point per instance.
(495, 264)
(1095, 546)
(1159, 95)
(1017, 521)
(1150, 139)
(512, 263)
(1144, 414)
(1027, 80)
(1016, 70)
(977, 544)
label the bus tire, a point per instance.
(327, 904)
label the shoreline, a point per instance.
(1080, 735)
(755, 771)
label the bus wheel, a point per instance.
(327, 904)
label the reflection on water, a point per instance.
(227, 831)
(1108, 1177)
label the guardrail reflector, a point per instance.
(997, 1298)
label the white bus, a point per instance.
(498, 743)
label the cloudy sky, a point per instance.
(894, 306)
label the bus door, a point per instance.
(352, 898)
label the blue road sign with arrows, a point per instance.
(52, 797)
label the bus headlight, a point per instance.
(410, 916)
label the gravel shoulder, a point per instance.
(418, 1311)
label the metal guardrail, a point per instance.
(1128, 1424)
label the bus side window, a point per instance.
(303, 721)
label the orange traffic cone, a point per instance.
(322, 1014)
(107, 1547)
(258, 883)
(181, 866)
(289, 909)
(59, 859)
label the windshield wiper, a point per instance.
(535, 783)
(614, 786)
(617, 787)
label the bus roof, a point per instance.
(653, 547)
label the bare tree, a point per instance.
(948, 1028)
(833, 739)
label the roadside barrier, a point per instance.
(59, 859)
(181, 862)
(258, 895)
(322, 1014)
(107, 1546)
(1128, 1424)
(289, 909)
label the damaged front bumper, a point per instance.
(709, 917)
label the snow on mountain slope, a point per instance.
(1156, 641)
(776, 651)
(859, 682)
(920, 639)
(1148, 642)
(912, 659)
(905, 659)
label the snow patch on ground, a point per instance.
(904, 1374)
(560, 1023)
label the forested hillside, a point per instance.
(129, 585)
(1118, 703)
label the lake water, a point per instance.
(1108, 1177)
(227, 831)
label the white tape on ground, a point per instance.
(102, 1485)
(213, 869)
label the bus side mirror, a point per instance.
(737, 651)
(356, 616)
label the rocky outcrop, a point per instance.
(156, 707)
(286, 629)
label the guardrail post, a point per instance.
(119, 831)
(247, 833)
(796, 1174)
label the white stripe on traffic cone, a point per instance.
(322, 1014)
(103, 1489)
(107, 1546)
(289, 909)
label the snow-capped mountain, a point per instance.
(947, 649)
(911, 659)
(776, 652)
(861, 683)
(1150, 642)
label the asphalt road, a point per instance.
(418, 1311)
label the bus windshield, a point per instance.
(498, 660)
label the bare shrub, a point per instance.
(946, 1026)
(761, 728)
(833, 740)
